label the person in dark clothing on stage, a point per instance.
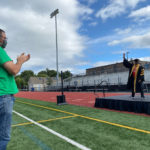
(136, 76)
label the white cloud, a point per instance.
(115, 42)
(116, 8)
(123, 31)
(136, 41)
(93, 24)
(141, 15)
(120, 52)
(133, 3)
(92, 1)
(89, 2)
(103, 39)
(30, 30)
(110, 11)
(144, 58)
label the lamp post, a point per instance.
(54, 13)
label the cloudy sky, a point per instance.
(90, 32)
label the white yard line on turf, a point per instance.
(82, 147)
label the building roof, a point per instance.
(38, 80)
(113, 68)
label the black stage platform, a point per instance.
(125, 103)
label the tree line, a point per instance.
(23, 78)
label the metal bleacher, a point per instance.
(118, 78)
(113, 78)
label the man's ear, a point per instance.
(1, 41)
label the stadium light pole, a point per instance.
(54, 14)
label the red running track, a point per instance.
(75, 98)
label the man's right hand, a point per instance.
(23, 58)
(15, 68)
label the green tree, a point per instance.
(67, 74)
(26, 75)
(47, 73)
(42, 74)
(20, 82)
(51, 73)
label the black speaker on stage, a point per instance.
(61, 100)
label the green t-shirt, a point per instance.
(7, 81)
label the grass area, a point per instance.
(87, 128)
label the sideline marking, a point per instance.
(41, 121)
(48, 108)
(82, 147)
(90, 118)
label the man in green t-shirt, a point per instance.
(8, 88)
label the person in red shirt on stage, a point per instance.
(136, 76)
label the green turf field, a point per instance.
(95, 129)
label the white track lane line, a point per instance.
(82, 147)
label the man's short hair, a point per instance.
(1, 31)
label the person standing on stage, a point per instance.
(136, 76)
